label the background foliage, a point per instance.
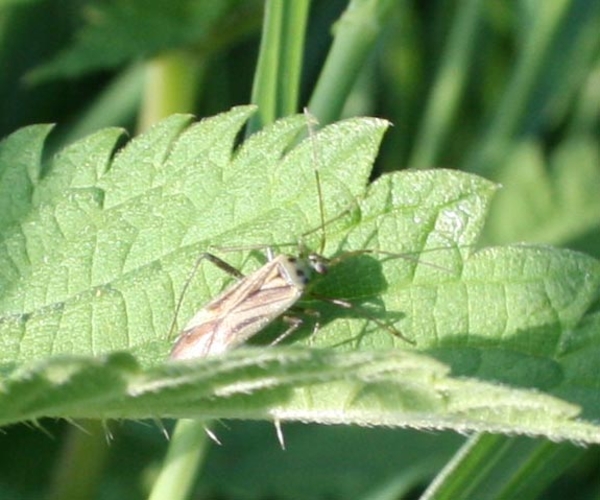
(505, 90)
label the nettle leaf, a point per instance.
(96, 253)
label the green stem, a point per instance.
(497, 466)
(277, 77)
(586, 109)
(265, 77)
(81, 463)
(292, 53)
(186, 451)
(447, 89)
(172, 82)
(355, 35)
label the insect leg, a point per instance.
(220, 263)
(294, 323)
(349, 305)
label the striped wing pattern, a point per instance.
(241, 311)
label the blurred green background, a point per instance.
(507, 90)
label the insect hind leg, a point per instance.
(295, 322)
(344, 304)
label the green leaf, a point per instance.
(20, 168)
(96, 256)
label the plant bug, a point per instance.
(248, 306)
(256, 300)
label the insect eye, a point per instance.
(318, 263)
(322, 268)
(302, 275)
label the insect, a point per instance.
(249, 305)
(256, 300)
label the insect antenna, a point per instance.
(391, 255)
(311, 121)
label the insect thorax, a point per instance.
(300, 270)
